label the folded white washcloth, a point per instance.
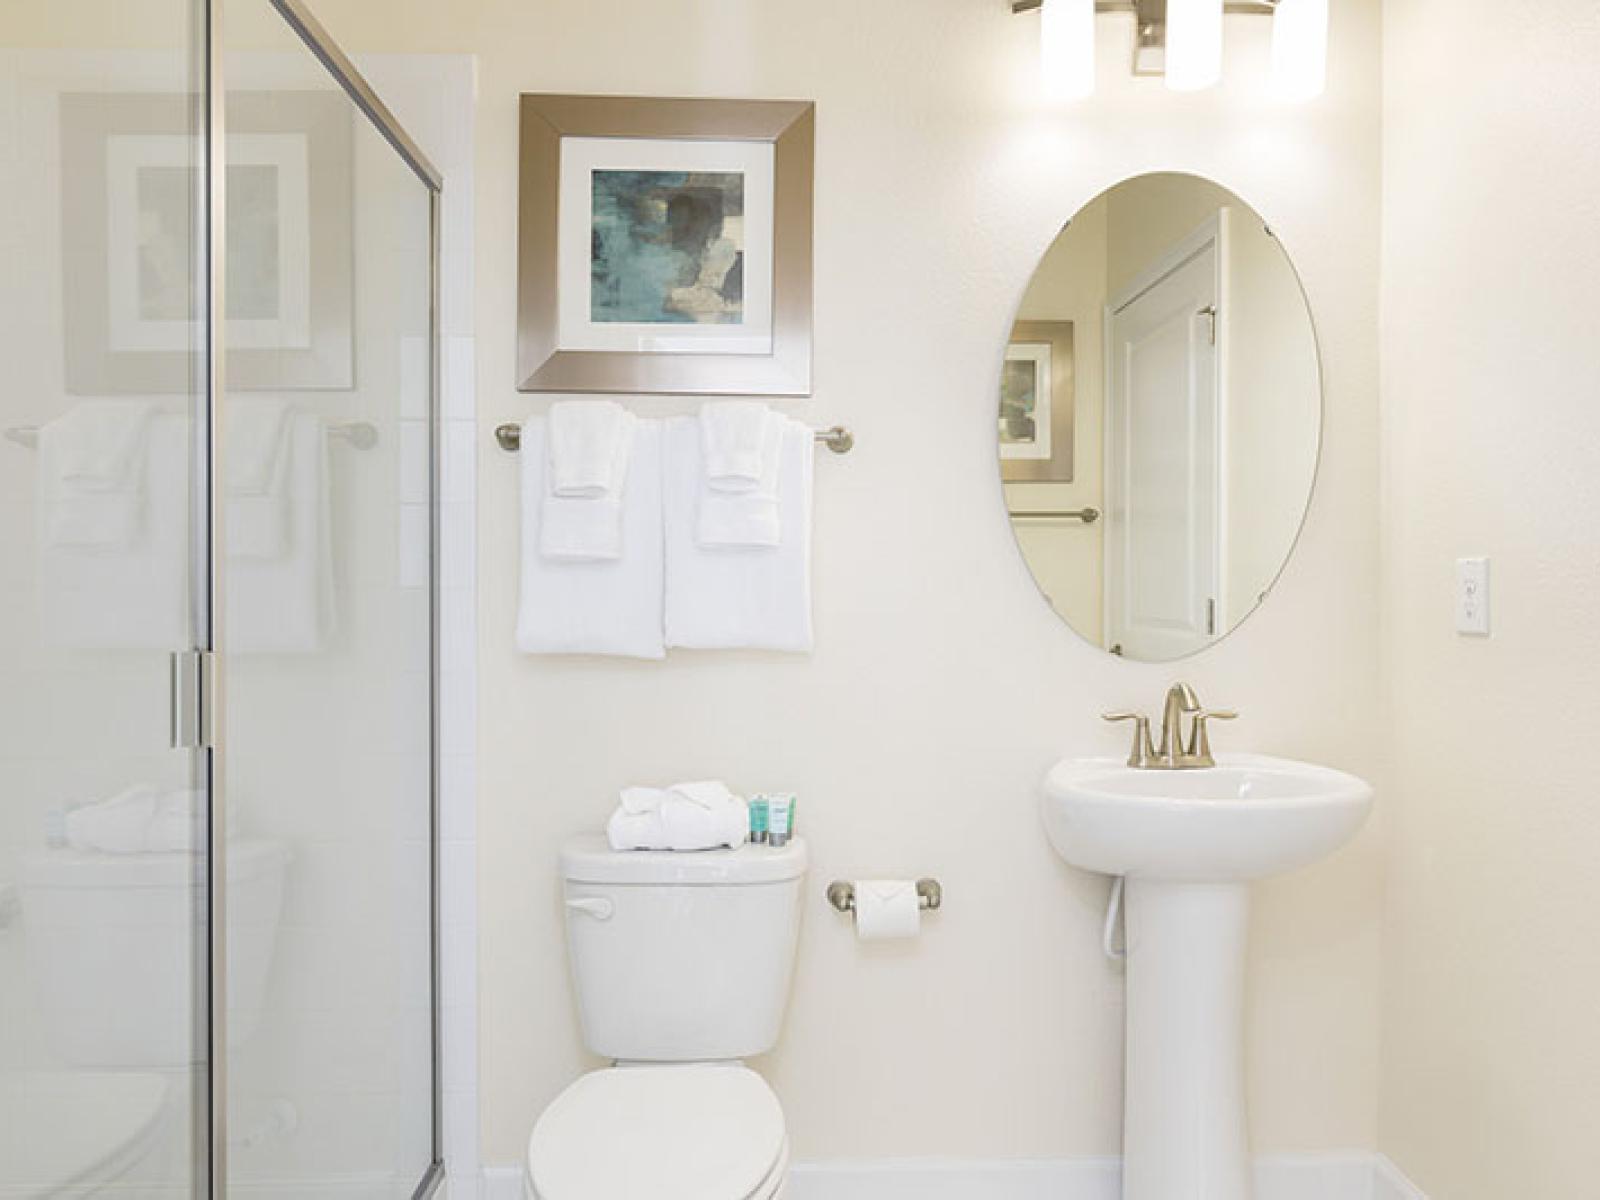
(680, 824)
(751, 517)
(733, 438)
(581, 520)
(92, 472)
(587, 444)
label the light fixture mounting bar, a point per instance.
(1153, 10)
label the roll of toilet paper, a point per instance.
(887, 908)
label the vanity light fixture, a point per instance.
(1181, 40)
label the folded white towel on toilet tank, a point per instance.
(701, 815)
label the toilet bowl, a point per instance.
(681, 965)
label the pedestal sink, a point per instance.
(1188, 843)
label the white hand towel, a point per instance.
(587, 443)
(257, 477)
(582, 518)
(610, 607)
(257, 435)
(286, 604)
(129, 594)
(732, 442)
(92, 460)
(728, 598)
(747, 518)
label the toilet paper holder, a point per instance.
(842, 895)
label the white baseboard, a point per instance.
(1356, 1175)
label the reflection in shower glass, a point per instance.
(102, 864)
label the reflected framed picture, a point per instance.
(665, 246)
(129, 183)
(1036, 404)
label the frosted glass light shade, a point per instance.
(1300, 49)
(1066, 48)
(1194, 44)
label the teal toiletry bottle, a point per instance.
(759, 814)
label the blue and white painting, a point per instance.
(667, 247)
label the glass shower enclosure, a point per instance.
(218, 598)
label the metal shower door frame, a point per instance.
(211, 1143)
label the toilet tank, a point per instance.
(114, 943)
(682, 957)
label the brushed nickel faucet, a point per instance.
(1174, 754)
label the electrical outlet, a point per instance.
(1472, 596)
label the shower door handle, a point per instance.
(192, 690)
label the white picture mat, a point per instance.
(288, 153)
(580, 159)
(1037, 353)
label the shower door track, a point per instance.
(211, 1146)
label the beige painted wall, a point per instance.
(942, 685)
(1491, 1082)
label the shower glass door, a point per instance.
(103, 869)
(217, 596)
(325, 635)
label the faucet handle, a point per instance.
(1144, 751)
(1200, 737)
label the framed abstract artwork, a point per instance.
(664, 246)
(129, 183)
(1036, 404)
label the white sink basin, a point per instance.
(1189, 843)
(1248, 817)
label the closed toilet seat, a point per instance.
(695, 1132)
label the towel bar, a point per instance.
(836, 438)
(363, 435)
(842, 895)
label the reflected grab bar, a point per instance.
(363, 435)
(1087, 515)
(836, 438)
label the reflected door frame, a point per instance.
(1183, 293)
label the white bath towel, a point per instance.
(750, 597)
(609, 607)
(256, 479)
(680, 823)
(93, 461)
(285, 604)
(749, 517)
(130, 593)
(733, 439)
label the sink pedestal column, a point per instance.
(1184, 1135)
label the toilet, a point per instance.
(681, 964)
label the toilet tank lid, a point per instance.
(590, 859)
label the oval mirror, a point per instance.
(1160, 416)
